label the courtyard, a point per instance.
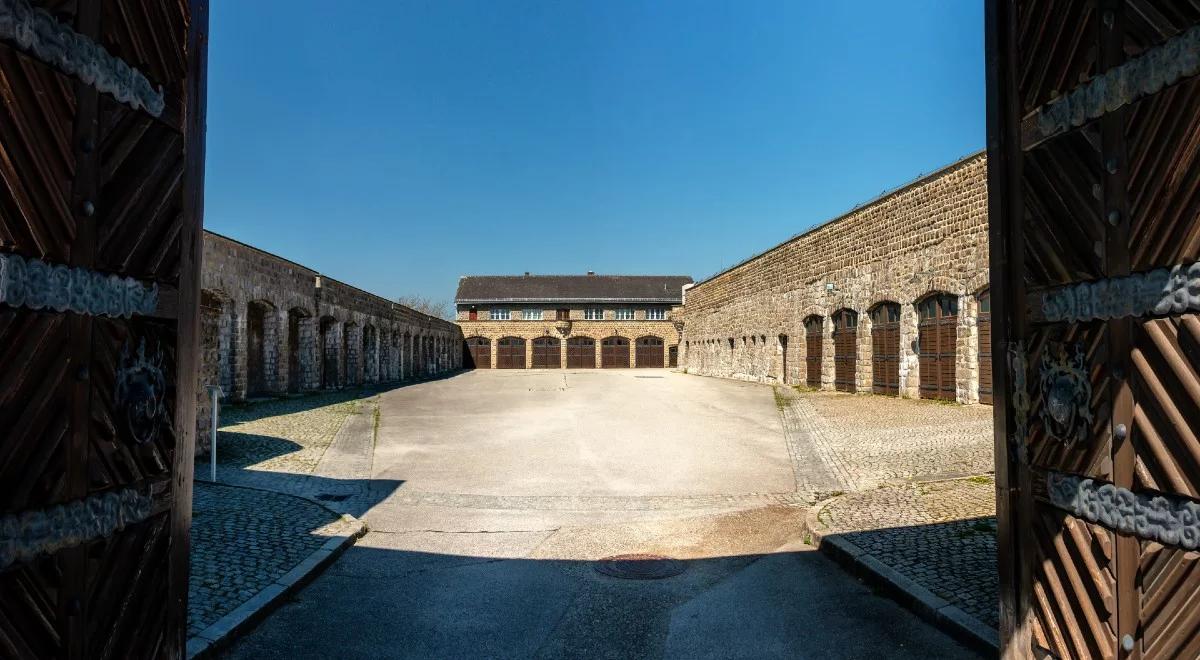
(494, 500)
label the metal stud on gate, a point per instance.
(89, 209)
(1114, 218)
(1127, 643)
(1120, 432)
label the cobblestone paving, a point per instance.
(242, 541)
(940, 534)
(867, 440)
(285, 435)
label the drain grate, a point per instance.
(640, 567)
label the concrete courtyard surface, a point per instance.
(493, 497)
(596, 432)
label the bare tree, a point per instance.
(439, 308)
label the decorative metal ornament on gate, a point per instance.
(35, 31)
(26, 535)
(1066, 392)
(1169, 520)
(142, 393)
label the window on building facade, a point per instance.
(499, 314)
(562, 315)
(593, 314)
(532, 315)
(656, 314)
(625, 314)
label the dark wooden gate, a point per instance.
(885, 349)
(101, 189)
(510, 353)
(984, 324)
(937, 344)
(813, 340)
(673, 356)
(649, 352)
(614, 352)
(477, 353)
(581, 353)
(845, 349)
(547, 353)
(1094, 193)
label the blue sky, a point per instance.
(398, 145)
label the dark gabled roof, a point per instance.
(571, 288)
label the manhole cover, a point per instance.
(640, 567)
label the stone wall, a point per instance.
(269, 326)
(927, 237)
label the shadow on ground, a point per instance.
(382, 603)
(259, 407)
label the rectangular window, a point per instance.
(562, 315)
(593, 314)
(656, 314)
(499, 314)
(532, 315)
(625, 314)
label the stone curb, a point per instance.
(247, 615)
(924, 603)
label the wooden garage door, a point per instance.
(614, 353)
(477, 353)
(673, 356)
(938, 345)
(649, 352)
(985, 347)
(547, 353)
(581, 353)
(510, 353)
(813, 327)
(885, 349)
(845, 349)
(101, 198)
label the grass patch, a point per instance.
(981, 479)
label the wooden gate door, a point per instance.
(477, 352)
(885, 349)
(101, 189)
(984, 325)
(1094, 193)
(845, 349)
(938, 346)
(813, 340)
(614, 353)
(673, 356)
(649, 352)
(510, 353)
(547, 353)
(581, 353)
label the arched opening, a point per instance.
(885, 349)
(261, 348)
(649, 352)
(984, 323)
(845, 350)
(547, 353)
(937, 344)
(510, 353)
(329, 345)
(299, 338)
(614, 353)
(477, 353)
(581, 353)
(813, 341)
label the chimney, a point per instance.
(591, 272)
